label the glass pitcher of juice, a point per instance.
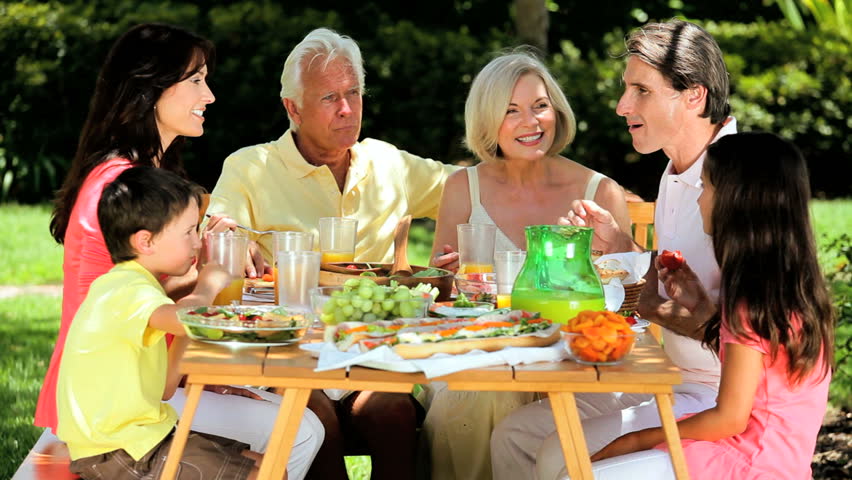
(558, 278)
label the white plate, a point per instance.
(640, 325)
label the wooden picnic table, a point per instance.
(646, 370)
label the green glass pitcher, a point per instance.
(558, 278)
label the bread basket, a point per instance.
(632, 293)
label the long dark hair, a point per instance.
(762, 238)
(142, 63)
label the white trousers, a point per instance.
(525, 444)
(250, 421)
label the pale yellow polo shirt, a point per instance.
(272, 187)
(113, 370)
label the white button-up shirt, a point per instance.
(679, 227)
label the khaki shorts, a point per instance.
(205, 457)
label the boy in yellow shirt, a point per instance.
(116, 369)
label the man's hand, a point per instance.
(448, 261)
(682, 285)
(256, 266)
(609, 238)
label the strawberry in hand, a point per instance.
(672, 260)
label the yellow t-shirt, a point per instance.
(272, 187)
(113, 370)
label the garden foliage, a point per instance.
(420, 59)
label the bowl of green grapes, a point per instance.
(362, 300)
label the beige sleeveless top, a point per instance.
(478, 214)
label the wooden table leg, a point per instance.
(570, 431)
(284, 433)
(193, 395)
(664, 405)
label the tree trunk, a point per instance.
(532, 22)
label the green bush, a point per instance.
(796, 84)
(419, 62)
(839, 276)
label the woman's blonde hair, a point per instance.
(490, 95)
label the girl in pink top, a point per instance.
(774, 328)
(150, 93)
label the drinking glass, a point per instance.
(476, 247)
(507, 264)
(298, 273)
(228, 249)
(288, 242)
(337, 239)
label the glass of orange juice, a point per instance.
(476, 247)
(288, 242)
(229, 250)
(507, 265)
(337, 239)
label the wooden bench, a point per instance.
(48, 460)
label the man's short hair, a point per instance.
(142, 198)
(490, 95)
(324, 44)
(686, 55)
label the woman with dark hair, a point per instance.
(773, 329)
(151, 92)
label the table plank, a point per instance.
(646, 364)
(570, 430)
(193, 396)
(664, 405)
(290, 361)
(206, 358)
(283, 433)
(364, 374)
(564, 371)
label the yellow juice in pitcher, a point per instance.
(556, 306)
(234, 291)
(476, 268)
(332, 257)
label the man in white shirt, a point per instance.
(675, 99)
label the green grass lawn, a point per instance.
(28, 324)
(28, 254)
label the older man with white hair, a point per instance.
(319, 168)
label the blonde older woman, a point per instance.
(517, 123)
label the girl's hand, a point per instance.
(448, 261)
(683, 286)
(608, 236)
(622, 445)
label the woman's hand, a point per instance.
(448, 261)
(622, 445)
(683, 286)
(608, 236)
(229, 390)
